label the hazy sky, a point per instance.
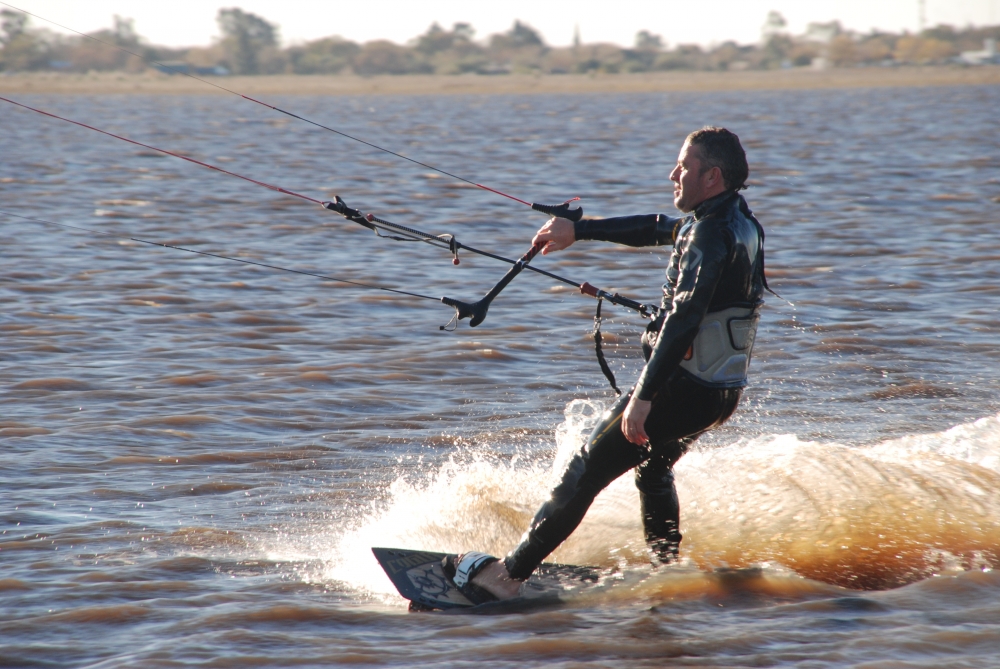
(192, 22)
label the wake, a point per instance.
(865, 517)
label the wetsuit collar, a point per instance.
(712, 204)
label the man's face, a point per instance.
(691, 186)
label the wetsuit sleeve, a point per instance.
(699, 270)
(642, 230)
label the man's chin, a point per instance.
(681, 205)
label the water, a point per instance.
(197, 454)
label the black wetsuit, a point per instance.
(717, 264)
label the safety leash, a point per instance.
(599, 350)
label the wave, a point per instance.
(863, 517)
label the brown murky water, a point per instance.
(197, 454)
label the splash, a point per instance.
(874, 516)
(484, 503)
(863, 517)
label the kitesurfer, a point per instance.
(697, 354)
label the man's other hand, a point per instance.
(556, 234)
(634, 421)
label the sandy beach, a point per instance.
(156, 83)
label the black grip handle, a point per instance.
(561, 210)
(476, 312)
(339, 206)
(646, 310)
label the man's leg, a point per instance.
(606, 456)
(682, 412)
(661, 513)
(685, 410)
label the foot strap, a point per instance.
(463, 568)
(469, 565)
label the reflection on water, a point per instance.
(198, 453)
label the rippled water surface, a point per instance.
(197, 454)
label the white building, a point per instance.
(987, 55)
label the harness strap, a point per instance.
(608, 374)
(745, 208)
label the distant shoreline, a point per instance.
(155, 83)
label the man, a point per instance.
(697, 355)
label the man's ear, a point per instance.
(714, 176)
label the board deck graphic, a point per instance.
(419, 577)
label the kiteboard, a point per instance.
(420, 578)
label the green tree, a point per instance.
(21, 50)
(437, 39)
(876, 48)
(84, 55)
(775, 24)
(124, 32)
(683, 57)
(329, 55)
(12, 25)
(776, 51)
(647, 41)
(647, 47)
(450, 52)
(246, 38)
(524, 35)
(519, 36)
(384, 57)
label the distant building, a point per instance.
(180, 67)
(987, 55)
(822, 32)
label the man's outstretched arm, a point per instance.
(642, 230)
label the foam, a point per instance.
(870, 516)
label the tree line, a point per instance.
(250, 45)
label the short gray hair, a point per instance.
(721, 148)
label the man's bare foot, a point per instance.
(495, 579)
